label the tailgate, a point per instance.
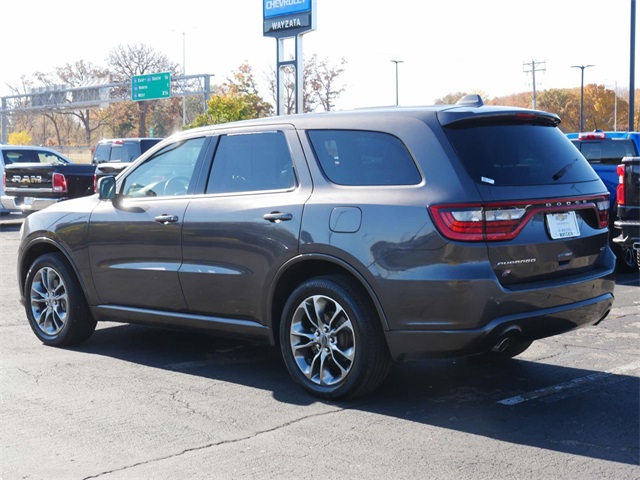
(27, 178)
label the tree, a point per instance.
(236, 99)
(19, 138)
(319, 87)
(449, 99)
(127, 61)
(564, 103)
(76, 75)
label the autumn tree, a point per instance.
(126, 61)
(449, 99)
(236, 99)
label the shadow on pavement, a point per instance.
(600, 420)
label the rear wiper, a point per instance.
(563, 170)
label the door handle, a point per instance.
(165, 219)
(277, 217)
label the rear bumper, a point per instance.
(26, 204)
(630, 233)
(532, 325)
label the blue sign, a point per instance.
(278, 8)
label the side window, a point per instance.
(251, 162)
(168, 173)
(354, 157)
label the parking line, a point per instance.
(571, 384)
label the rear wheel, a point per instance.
(331, 339)
(56, 307)
(627, 259)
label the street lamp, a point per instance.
(582, 67)
(397, 62)
(184, 73)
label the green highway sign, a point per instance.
(151, 86)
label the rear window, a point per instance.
(354, 157)
(518, 154)
(609, 152)
(102, 152)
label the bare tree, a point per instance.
(319, 84)
(76, 75)
(127, 61)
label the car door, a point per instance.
(134, 241)
(247, 224)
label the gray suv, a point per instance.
(346, 239)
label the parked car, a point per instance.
(628, 199)
(4, 211)
(111, 156)
(36, 177)
(348, 239)
(605, 151)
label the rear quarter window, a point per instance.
(359, 158)
(518, 154)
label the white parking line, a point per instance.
(561, 387)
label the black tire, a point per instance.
(55, 303)
(626, 259)
(344, 353)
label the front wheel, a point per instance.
(55, 304)
(332, 340)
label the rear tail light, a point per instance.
(59, 183)
(478, 222)
(495, 222)
(620, 200)
(95, 182)
(603, 212)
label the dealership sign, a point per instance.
(288, 18)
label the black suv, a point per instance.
(124, 150)
(348, 239)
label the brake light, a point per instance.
(95, 182)
(620, 200)
(478, 222)
(591, 135)
(603, 212)
(496, 222)
(59, 183)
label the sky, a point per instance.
(444, 46)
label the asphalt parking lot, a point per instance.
(147, 403)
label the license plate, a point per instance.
(563, 225)
(27, 200)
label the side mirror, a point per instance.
(107, 188)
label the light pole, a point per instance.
(397, 62)
(184, 73)
(582, 67)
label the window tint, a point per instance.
(167, 173)
(251, 162)
(606, 151)
(353, 157)
(518, 154)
